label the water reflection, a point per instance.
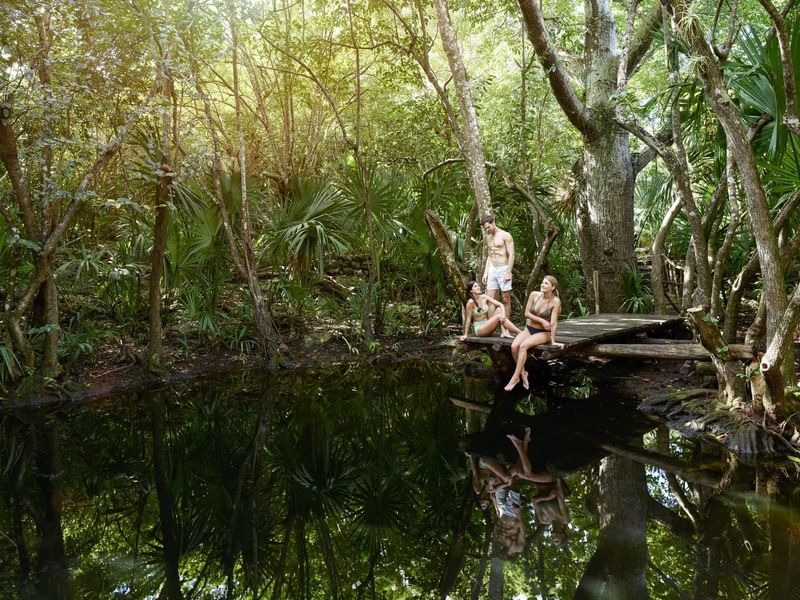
(354, 483)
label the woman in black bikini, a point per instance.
(541, 314)
(477, 321)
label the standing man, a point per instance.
(499, 263)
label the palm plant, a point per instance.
(310, 225)
(638, 296)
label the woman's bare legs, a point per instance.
(522, 356)
(521, 337)
(489, 325)
(487, 328)
(523, 467)
(509, 327)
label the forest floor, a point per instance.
(114, 370)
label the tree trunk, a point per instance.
(729, 371)
(496, 579)
(454, 561)
(473, 148)
(156, 335)
(268, 338)
(657, 259)
(605, 215)
(711, 75)
(155, 338)
(445, 246)
(605, 198)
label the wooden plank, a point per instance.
(580, 332)
(665, 351)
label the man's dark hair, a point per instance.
(487, 219)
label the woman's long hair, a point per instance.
(469, 291)
(554, 282)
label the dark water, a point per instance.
(354, 483)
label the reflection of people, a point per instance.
(499, 261)
(477, 314)
(541, 314)
(509, 530)
(488, 476)
(523, 469)
(551, 509)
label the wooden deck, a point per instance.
(582, 333)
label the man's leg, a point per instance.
(507, 303)
(492, 287)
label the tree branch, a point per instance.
(556, 73)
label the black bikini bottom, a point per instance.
(535, 330)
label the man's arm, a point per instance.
(488, 261)
(510, 251)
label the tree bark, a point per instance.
(52, 573)
(729, 372)
(161, 207)
(711, 75)
(473, 148)
(166, 504)
(268, 337)
(605, 199)
(445, 245)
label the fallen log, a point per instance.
(665, 351)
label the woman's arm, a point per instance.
(529, 311)
(529, 307)
(495, 302)
(556, 310)
(468, 319)
(563, 511)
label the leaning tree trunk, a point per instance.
(729, 371)
(711, 74)
(268, 337)
(447, 254)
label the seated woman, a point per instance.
(477, 315)
(550, 508)
(541, 314)
(522, 469)
(488, 477)
(549, 504)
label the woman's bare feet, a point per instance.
(511, 384)
(525, 383)
(506, 334)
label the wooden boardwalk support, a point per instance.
(582, 336)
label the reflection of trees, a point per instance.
(281, 489)
(617, 568)
(680, 512)
(32, 460)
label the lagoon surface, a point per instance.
(353, 482)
